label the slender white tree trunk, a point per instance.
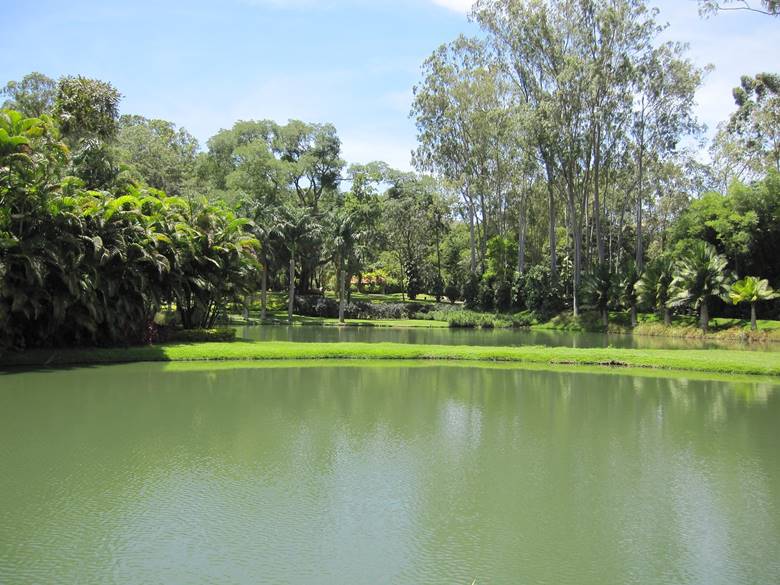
(291, 299)
(264, 291)
(342, 295)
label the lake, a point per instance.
(403, 473)
(492, 337)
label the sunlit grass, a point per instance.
(709, 360)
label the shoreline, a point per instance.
(716, 361)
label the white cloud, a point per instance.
(456, 5)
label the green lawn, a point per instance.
(712, 360)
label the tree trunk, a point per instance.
(605, 317)
(521, 242)
(633, 315)
(551, 206)
(472, 241)
(753, 324)
(291, 298)
(704, 319)
(342, 294)
(596, 202)
(640, 257)
(264, 291)
(667, 317)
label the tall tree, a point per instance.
(767, 7)
(32, 96)
(161, 154)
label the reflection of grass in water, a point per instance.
(714, 360)
(745, 385)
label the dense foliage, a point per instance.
(555, 180)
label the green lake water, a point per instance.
(491, 337)
(398, 473)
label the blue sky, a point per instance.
(204, 64)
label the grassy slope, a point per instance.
(717, 361)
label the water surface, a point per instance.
(401, 473)
(491, 337)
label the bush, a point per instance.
(452, 292)
(471, 292)
(196, 335)
(413, 281)
(486, 295)
(437, 287)
(318, 306)
(503, 296)
(518, 294)
(543, 293)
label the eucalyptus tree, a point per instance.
(752, 289)
(457, 110)
(529, 51)
(32, 96)
(162, 155)
(767, 7)
(701, 274)
(754, 128)
(572, 62)
(666, 84)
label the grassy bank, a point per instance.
(716, 361)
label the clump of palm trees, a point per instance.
(698, 277)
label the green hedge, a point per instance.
(197, 335)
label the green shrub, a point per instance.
(452, 292)
(437, 287)
(471, 291)
(542, 292)
(486, 295)
(197, 335)
(503, 296)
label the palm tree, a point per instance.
(267, 223)
(297, 225)
(702, 274)
(344, 239)
(751, 289)
(626, 288)
(652, 288)
(597, 292)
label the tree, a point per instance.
(653, 287)
(88, 114)
(626, 289)
(162, 155)
(32, 97)
(666, 88)
(767, 7)
(598, 291)
(701, 275)
(297, 226)
(751, 290)
(407, 226)
(86, 108)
